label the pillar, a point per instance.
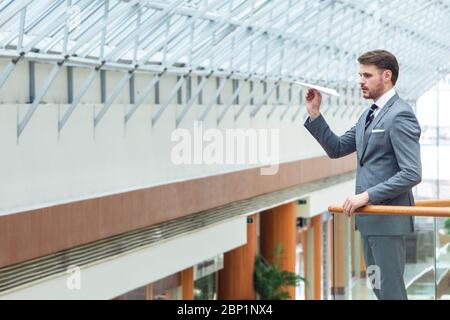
(278, 227)
(357, 255)
(235, 280)
(317, 232)
(187, 284)
(353, 247)
(304, 240)
(347, 256)
(339, 254)
(362, 263)
(310, 260)
(330, 252)
(149, 292)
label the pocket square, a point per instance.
(377, 130)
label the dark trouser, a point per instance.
(385, 258)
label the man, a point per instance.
(386, 140)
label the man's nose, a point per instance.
(362, 80)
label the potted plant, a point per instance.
(270, 281)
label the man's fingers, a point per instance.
(352, 210)
(311, 94)
(346, 206)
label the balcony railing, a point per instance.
(427, 269)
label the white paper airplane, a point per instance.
(324, 90)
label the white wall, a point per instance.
(45, 167)
(318, 201)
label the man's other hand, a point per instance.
(353, 203)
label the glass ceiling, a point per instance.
(276, 40)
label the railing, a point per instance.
(430, 208)
(427, 268)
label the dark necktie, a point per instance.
(370, 115)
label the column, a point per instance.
(317, 231)
(149, 292)
(278, 227)
(353, 247)
(235, 280)
(348, 257)
(362, 263)
(339, 254)
(304, 239)
(310, 260)
(187, 284)
(331, 253)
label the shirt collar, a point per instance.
(381, 102)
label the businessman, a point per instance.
(386, 141)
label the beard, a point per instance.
(372, 94)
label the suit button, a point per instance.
(361, 164)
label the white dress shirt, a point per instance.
(381, 102)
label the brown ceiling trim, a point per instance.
(31, 234)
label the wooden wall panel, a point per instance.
(40, 232)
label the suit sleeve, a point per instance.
(404, 137)
(335, 146)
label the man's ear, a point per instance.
(387, 75)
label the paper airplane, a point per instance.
(324, 90)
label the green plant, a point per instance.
(205, 287)
(270, 280)
(447, 225)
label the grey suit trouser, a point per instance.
(385, 258)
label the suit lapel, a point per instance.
(360, 131)
(368, 132)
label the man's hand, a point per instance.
(313, 101)
(355, 202)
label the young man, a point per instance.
(386, 140)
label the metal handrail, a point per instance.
(428, 208)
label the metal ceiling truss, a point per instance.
(271, 42)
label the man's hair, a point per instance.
(383, 60)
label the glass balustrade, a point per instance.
(427, 261)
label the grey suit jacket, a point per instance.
(389, 166)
